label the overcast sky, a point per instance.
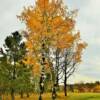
(88, 22)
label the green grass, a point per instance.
(84, 96)
(71, 96)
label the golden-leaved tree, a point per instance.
(53, 45)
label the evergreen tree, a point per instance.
(15, 75)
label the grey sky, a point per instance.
(87, 22)
(89, 25)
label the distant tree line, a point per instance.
(84, 87)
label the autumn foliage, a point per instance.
(50, 22)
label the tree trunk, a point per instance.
(28, 95)
(57, 80)
(65, 77)
(65, 88)
(54, 95)
(65, 82)
(12, 89)
(41, 83)
(57, 68)
(12, 94)
(21, 94)
(0, 96)
(40, 96)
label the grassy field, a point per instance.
(84, 96)
(71, 96)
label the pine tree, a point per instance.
(15, 76)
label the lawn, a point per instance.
(71, 96)
(84, 96)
